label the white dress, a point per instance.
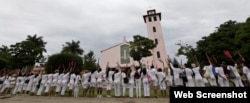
(29, 86)
(99, 76)
(85, 79)
(117, 83)
(76, 85)
(153, 73)
(43, 84)
(222, 82)
(146, 86)
(211, 79)
(124, 85)
(246, 71)
(198, 78)
(189, 73)
(138, 83)
(6, 83)
(49, 82)
(35, 83)
(65, 79)
(131, 84)
(110, 80)
(71, 81)
(93, 77)
(59, 82)
(162, 83)
(237, 81)
(55, 79)
(176, 71)
(25, 84)
(18, 83)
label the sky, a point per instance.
(100, 24)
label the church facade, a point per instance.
(120, 53)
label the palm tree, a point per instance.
(72, 47)
(37, 44)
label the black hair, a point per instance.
(99, 69)
(36, 75)
(246, 64)
(107, 72)
(144, 71)
(159, 70)
(152, 66)
(116, 70)
(230, 63)
(77, 72)
(207, 63)
(93, 70)
(175, 65)
(187, 65)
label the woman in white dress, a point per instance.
(25, 84)
(92, 83)
(210, 75)
(153, 74)
(85, 83)
(145, 82)
(109, 81)
(20, 87)
(162, 83)
(59, 84)
(48, 84)
(65, 79)
(125, 81)
(222, 78)
(138, 81)
(237, 80)
(100, 75)
(42, 84)
(131, 83)
(246, 71)
(54, 82)
(117, 82)
(176, 71)
(197, 76)
(189, 74)
(6, 84)
(35, 83)
(29, 86)
(71, 83)
(18, 83)
(77, 84)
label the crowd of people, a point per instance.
(213, 74)
(127, 82)
(130, 82)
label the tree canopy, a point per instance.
(141, 47)
(24, 53)
(231, 36)
(64, 62)
(89, 61)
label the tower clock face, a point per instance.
(125, 57)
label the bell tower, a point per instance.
(153, 22)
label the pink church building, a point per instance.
(120, 52)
